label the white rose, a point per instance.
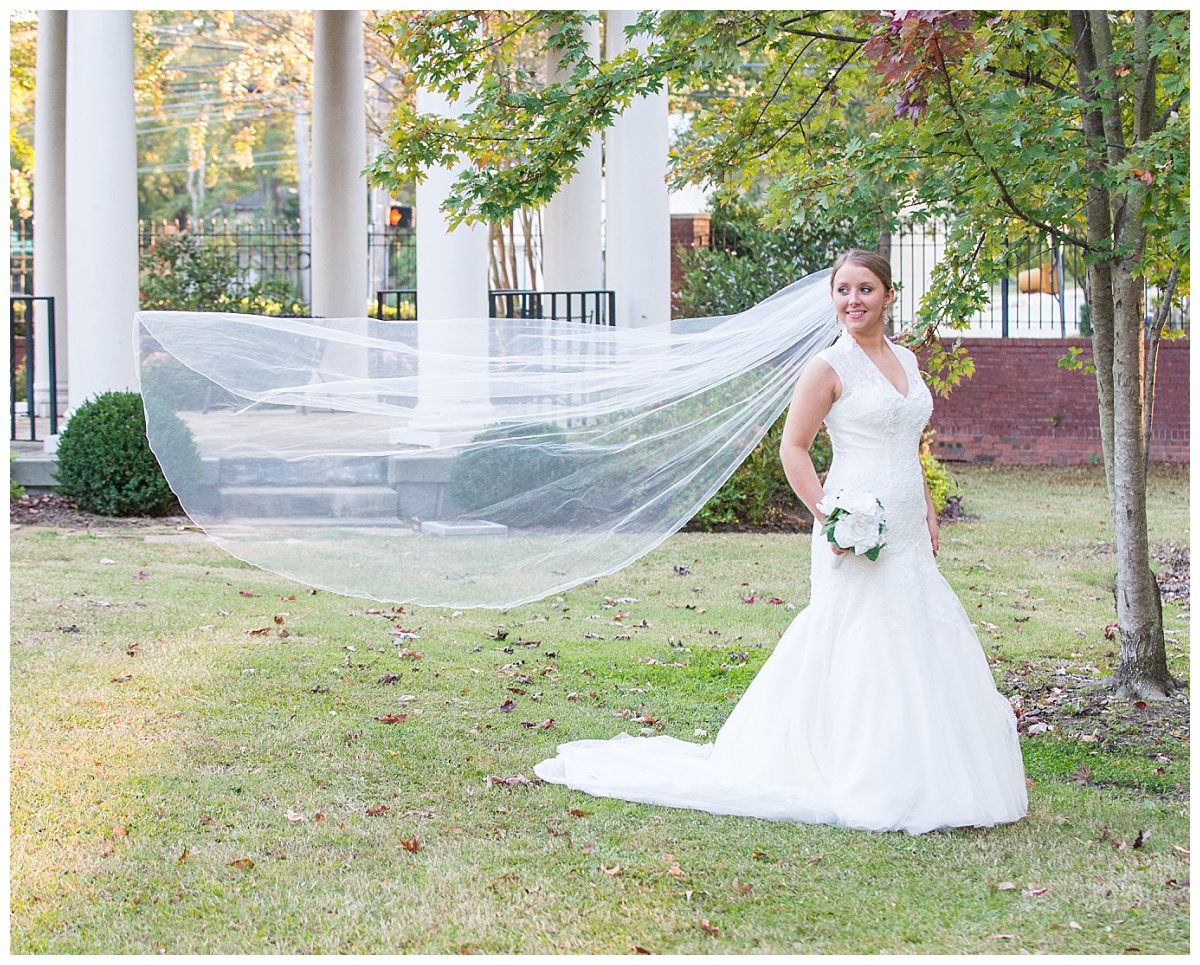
(858, 531)
(861, 503)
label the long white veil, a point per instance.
(473, 462)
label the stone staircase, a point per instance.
(366, 489)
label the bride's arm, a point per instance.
(816, 390)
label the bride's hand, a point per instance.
(931, 521)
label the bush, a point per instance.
(942, 487)
(105, 462)
(748, 262)
(184, 275)
(14, 491)
(758, 493)
(482, 477)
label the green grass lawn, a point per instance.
(181, 784)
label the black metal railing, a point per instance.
(21, 336)
(396, 304)
(590, 307)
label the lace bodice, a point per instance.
(876, 434)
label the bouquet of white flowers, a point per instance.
(854, 521)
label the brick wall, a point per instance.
(687, 231)
(1020, 407)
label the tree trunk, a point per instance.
(1114, 285)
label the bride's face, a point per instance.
(859, 298)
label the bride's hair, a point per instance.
(873, 261)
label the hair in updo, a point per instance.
(873, 261)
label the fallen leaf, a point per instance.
(576, 812)
(260, 632)
(519, 779)
(814, 858)
(392, 718)
(1083, 775)
(638, 950)
(748, 599)
(409, 653)
(411, 845)
(141, 575)
(246, 593)
(242, 864)
(776, 600)
(284, 633)
(318, 816)
(1140, 704)
(1033, 892)
(124, 678)
(1005, 886)
(738, 886)
(589, 849)
(508, 706)
(182, 856)
(295, 816)
(1075, 925)
(1140, 839)
(120, 831)
(676, 872)
(708, 928)
(1000, 937)
(389, 678)
(613, 871)
(105, 561)
(375, 810)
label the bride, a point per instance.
(876, 709)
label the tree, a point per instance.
(1044, 125)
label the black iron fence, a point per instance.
(22, 358)
(589, 307)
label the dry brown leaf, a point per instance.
(242, 864)
(613, 871)
(738, 886)
(639, 950)
(411, 845)
(589, 849)
(392, 718)
(676, 872)
(120, 831)
(260, 632)
(708, 928)
(377, 809)
(1005, 886)
(577, 812)
(295, 816)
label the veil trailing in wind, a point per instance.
(470, 462)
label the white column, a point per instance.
(637, 214)
(572, 256)
(339, 189)
(452, 283)
(50, 204)
(452, 266)
(101, 194)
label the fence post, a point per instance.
(52, 352)
(1004, 307)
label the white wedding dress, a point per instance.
(876, 709)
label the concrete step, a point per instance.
(343, 502)
(243, 471)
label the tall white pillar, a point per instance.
(101, 194)
(637, 214)
(572, 253)
(339, 189)
(452, 266)
(452, 283)
(50, 204)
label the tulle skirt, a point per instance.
(876, 711)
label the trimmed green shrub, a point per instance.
(105, 462)
(14, 491)
(758, 493)
(483, 477)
